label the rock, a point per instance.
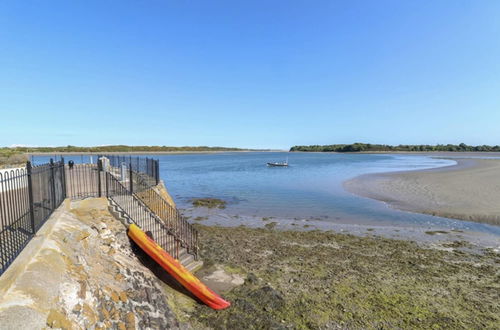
(115, 314)
(89, 314)
(269, 297)
(123, 296)
(115, 297)
(104, 248)
(84, 279)
(21, 317)
(57, 319)
(252, 278)
(83, 235)
(130, 320)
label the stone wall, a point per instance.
(162, 190)
(82, 272)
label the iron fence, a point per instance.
(84, 180)
(140, 214)
(28, 196)
(147, 169)
(172, 218)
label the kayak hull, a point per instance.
(176, 269)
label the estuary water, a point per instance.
(308, 191)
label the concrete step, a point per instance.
(185, 258)
(194, 265)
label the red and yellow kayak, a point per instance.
(176, 269)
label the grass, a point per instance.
(11, 158)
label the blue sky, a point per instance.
(261, 74)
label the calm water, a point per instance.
(310, 188)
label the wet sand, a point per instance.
(426, 235)
(469, 190)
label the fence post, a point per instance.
(63, 178)
(157, 171)
(53, 184)
(30, 196)
(131, 179)
(107, 183)
(99, 170)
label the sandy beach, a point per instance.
(469, 190)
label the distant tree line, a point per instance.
(11, 158)
(367, 147)
(115, 148)
(17, 155)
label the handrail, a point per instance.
(28, 196)
(142, 215)
(141, 184)
(147, 166)
(172, 217)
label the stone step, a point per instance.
(185, 258)
(194, 265)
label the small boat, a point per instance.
(279, 164)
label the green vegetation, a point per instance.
(324, 280)
(122, 148)
(17, 155)
(271, 225)
(209, 202)
(435, 232)
(10, 157)
(367, 147)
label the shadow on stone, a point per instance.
(159, 272)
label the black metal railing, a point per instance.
(175, 222)
(146, 169)
(84, 180)
(139, 213)
(28, 196)
(91, 180)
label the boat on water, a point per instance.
(278, 164)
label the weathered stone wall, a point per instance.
(155, 204)
(162, 190)
(81, 273)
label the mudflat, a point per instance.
(469, 190)
(326, 280)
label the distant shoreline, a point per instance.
(467, 191)
(147, 152)
(370, 147)
(427, 153)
